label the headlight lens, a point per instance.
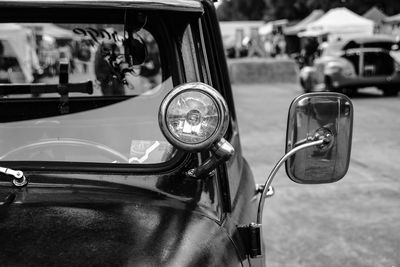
(193, 116)
(348, 70)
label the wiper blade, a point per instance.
(19, 177)
(63, 88)
(41, 88)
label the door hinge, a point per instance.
(251, 236)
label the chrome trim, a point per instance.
(222, 110)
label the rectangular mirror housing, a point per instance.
(316, 116)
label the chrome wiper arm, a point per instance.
(19, 177)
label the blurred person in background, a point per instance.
(3, 67)
(105, 68)
(309, 49)
(151, 67)
(83, 53)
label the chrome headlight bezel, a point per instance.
(222, 109)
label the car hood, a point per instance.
(96, 226)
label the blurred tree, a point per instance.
(295, 9)
(287, 9)
(241, 10)
(390, 7)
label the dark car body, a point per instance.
(83, 213)
(354, 63)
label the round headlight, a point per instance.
(193, 116)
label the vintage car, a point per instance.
(346, 65)
(134, 159)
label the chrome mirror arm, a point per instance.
(275, 170)
(253, 231)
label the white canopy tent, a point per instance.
(54, 31)
(19, 37)
(340, 22)
(375, 14)
(302, 25)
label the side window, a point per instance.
(189, 56)
(193, 51)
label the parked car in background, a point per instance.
(354, 63)
(146, 168)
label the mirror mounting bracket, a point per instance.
(326, 135)
(250, 235)
(221, 151)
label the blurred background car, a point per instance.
(353, 63)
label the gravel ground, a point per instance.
(354, 222)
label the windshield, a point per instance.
(83, 92)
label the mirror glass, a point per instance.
(312, 115)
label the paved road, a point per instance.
(354, 222)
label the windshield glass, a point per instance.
(333, 48)
(83, 92)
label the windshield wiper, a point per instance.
(41, 88)
(19, 177)
(63, 87)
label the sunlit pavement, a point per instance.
(354, 222)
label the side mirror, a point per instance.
(318, 145)
(318, 116)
